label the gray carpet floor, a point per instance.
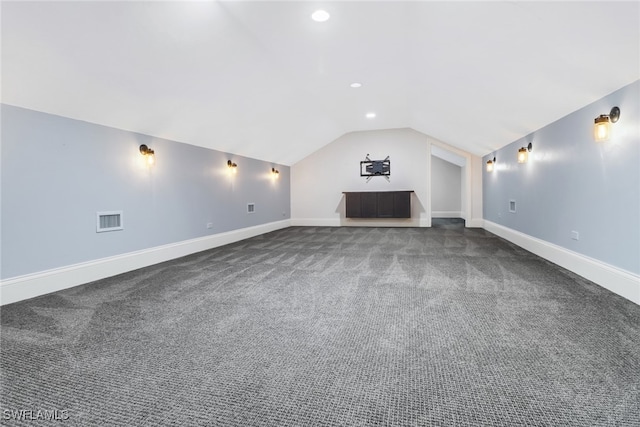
(312, 326)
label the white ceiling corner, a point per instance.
(448, 155)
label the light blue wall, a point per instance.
(572, 183)
(57, 173)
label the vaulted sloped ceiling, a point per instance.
(262, 79)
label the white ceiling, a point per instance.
(261, 79)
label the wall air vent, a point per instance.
(109, 221)
(251, 208)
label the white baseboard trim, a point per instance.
(475, 223)
(32, 285)
(619, 281)
(447, 214)
(425, 222)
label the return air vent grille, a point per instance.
(109, 221)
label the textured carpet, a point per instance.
(312, 326)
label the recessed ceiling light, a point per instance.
(356, 84)
(370, 115)
(320, 15)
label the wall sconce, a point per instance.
(602, 125)
(148, 153)
(523, 153)
(275, 172)
(491, 164)
(232, 166)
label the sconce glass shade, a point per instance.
(233, 167)
(602, 125)
(149, 154)
(523, 155)
(491, 165)
(602, 128)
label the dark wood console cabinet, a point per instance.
(378, 204)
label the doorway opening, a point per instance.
(450, 194)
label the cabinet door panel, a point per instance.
(402, 204)
(385, 205)
(353, 207)
(369, 205)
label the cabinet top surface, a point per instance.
(373, 191)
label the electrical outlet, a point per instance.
(575, 235)
(209, 225)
